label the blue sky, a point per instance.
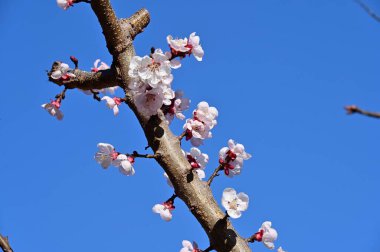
(279, 73)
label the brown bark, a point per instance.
(196, 194)
(86, 80)
(4, 244)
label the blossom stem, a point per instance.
(214, 174)
(182, 135)
(61, 95)
(95, 95)
(4, 244)
(354, 109)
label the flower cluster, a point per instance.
(62, 73)
(107, 156)
(234, 203)
(182, 47)
(199, 127)
(151, 82)
(232, 158)
(53, 108)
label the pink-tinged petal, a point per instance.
(166, 215)
(198, 53)
(201, 173)
(59, 114)
(56, 75)
(175, 64)
(158, 208)
(115, 110)
(96, 63)
(187, 244)
(234, 213)
(243, 201)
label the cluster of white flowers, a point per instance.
(107, 156)
(189, 247)
(65, 4)
(151, 82)
(182, 47)
(234, 203)
(53, 109)
(199, 127)
(232, 158)
(62, 73)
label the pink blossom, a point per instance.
(53, 109)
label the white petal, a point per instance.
(234, 213)
(243, 201)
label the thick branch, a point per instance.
(4, 244)
(136, 23)
(195, 193)
(352, 109)
(119, 37)
(86, 80)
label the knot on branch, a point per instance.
(136, 23)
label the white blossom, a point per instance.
(234, 203)
(197, 159)
(97, 67)
(233, 157)
(149, 102)
(188, 247)
(113, 103)
(178, 45)
(206, 114)
(125, 164)
(196, 48)
(151, 70)
(269, 234)
(106, 155)
(196, 131)
(65, 4)
(280, 250)
(62, 72)
(164, 210)
(53, 109)
(178, 105)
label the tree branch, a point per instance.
(195, 193)
(352, 109)
(85, 80)
(4, 244)
(368, 10)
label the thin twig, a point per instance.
(352, 109)
(4, 244)
(214, 174)
(368, 10)
(180, 137)
(137, 155)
